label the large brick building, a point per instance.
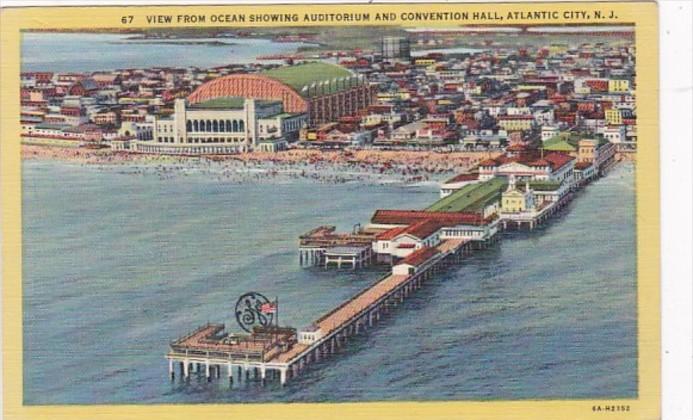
(324, 92)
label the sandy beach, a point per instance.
(322, 166)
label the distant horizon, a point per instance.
(574, 28)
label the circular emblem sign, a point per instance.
(252, 310)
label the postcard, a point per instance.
(331, 211)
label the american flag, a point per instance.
(268, 308)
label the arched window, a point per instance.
(209, 125)
(215, 126)
(189, 125)
(241, 125)
(222, 126)
(196, 126)
(229, 128)
(235, 125)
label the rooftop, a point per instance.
(557, 160)
(558, 144)
(465, 177)
(542, 185)
(582, 165)
(423, 229)
(50, 126)
(305, 74)
(228, 102)
(391, 233)
(345, 250)
(471, 197)
(408, 217)
(420, 256)
(222, 102)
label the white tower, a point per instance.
(179, 120)
(511, 183)
(250, 123)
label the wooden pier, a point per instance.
(282, 352)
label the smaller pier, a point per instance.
(324, 247)
(210, 347)
(354, 256)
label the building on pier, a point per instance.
(309, 335)
(515, 201)
(353, 256)
(472, 227)
(401, 241)
(553, 167)
(458, 182)
(323, 246)
(482, 197)
(210, 340)
(415, 261)
(211, 347)
(585, 172)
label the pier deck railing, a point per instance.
(432, 261)
(197, 331)
(351, 299)
(185, 352)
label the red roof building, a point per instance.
(390, 233)
(557, 160)
(489, 162)
(463, 178)
(408, 217)
(420, 256)
(423, 229)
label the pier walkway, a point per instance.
(208, 346)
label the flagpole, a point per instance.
(276, 309)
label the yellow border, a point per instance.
(646, 406)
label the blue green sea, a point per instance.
(117, 263)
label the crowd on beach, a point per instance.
(338, 166)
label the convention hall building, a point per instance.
(258, 111)
(222, 125)
(323, 91)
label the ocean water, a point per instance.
(87, 52)
(118, 264)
